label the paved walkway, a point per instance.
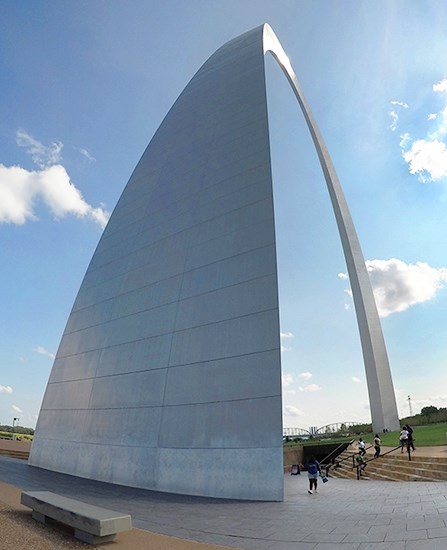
(345, 514)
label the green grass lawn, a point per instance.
(424, 436)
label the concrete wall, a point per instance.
(292, 455)
(168, 374)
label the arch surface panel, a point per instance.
(168, 374)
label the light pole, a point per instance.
(13, 421)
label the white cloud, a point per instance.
(42, 351)
(440, 86)
(305, 375)
(441, 130)
(16, 409)
(87, 155)
(285, 336)
(427, 159)
(20, 189)
(394, 119)
(356, 380)
(287, 379)
(398, 286)
(400, 104)
(405, 140)
(343, 276)
(42, 155)
(290, 410)
(393, 114)
(6, 389)
(310, 388)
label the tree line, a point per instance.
(428, 415)
(17, 429)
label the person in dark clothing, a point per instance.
(410, 441)
(313, 469)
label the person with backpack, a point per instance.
(313, 470)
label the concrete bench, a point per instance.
(92, 524)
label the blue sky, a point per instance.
(86, 84)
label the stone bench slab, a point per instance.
(92, 524)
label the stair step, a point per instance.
(23, 455)
(394, 467)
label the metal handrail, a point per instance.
(322, 462)
(349, 457)
(358, 466)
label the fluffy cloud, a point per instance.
(440, 86)
(290, 410)
(427, 159)
(16, 409)
(398, 286)
(5, 389)
(42, 351)
(310, 388)
(20, 189)
(305, 375)
(287, 379)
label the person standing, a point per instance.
(361, 445)
(377, 443)
(313, 469)
(403, 438)
(410, 436)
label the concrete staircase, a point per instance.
(15, 448)
(394, 467)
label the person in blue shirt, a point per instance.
(313, 470)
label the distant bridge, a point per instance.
(294, 432)
(324, 430)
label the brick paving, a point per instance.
(344, 514)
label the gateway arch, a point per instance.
(168, 374)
